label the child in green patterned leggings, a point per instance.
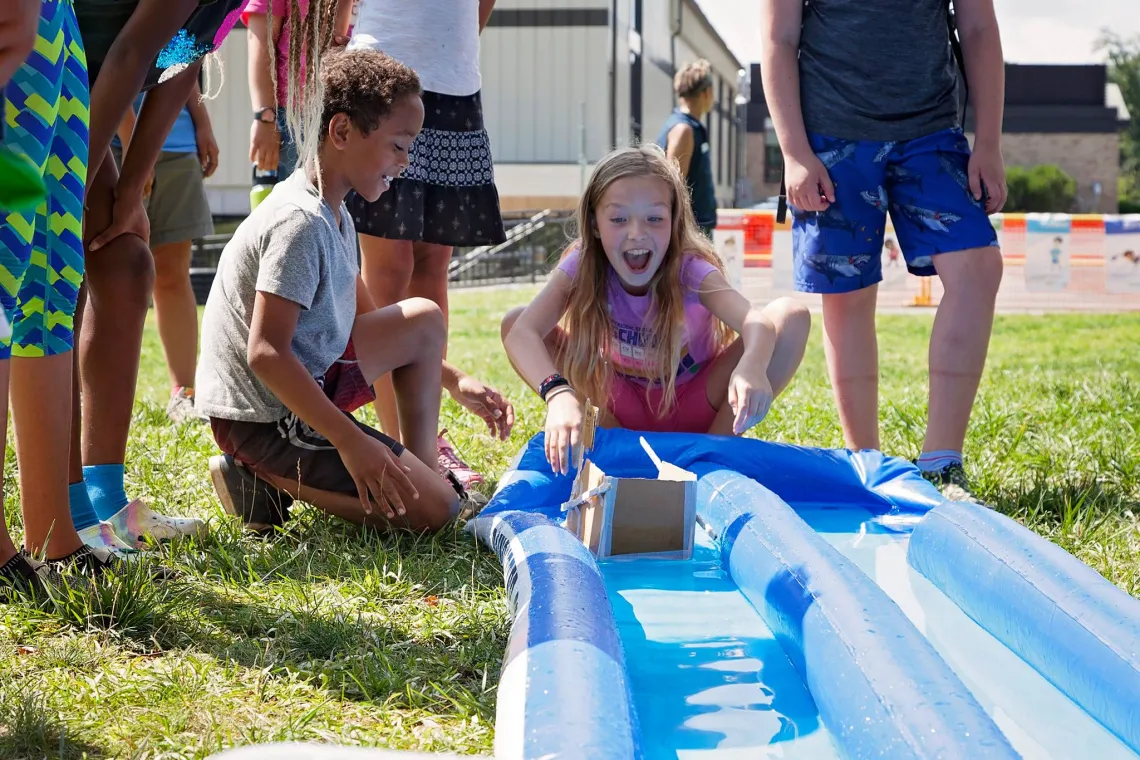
(136, 44)
(41, 265)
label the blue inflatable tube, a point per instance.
(563, 690)
(880, 687)
(1058, 614)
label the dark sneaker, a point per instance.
(22, 575)
(88, 561)
(260, 506)
(95, 562)
(952, 482)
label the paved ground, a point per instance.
(1086, 292)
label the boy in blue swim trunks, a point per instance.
(864, 100)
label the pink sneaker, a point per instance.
(449, 460)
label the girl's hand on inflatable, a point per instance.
(563, 429)
(749, 397)
(486, 402)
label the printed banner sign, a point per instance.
(1122, 254)
(783, 265)
(729, 244)
(1048, 238)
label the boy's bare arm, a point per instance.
(780, 72)
(808, 183)
(985, 69)
(270, 356)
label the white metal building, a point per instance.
(563, 81)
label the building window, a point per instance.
(773, 157)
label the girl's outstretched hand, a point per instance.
(749, 397)
(563, 429)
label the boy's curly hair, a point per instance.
(693, 79)
(364, 85)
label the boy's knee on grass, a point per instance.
(423, 310)
(439, 511)
(426, 318)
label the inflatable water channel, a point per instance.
(835, 605)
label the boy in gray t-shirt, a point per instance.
(864, 100)
(290, 342)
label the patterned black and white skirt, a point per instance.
(447, 194)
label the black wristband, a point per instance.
(550, 383)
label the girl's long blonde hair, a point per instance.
(590, 333)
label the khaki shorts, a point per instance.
(177, 208)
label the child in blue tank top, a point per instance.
(686, 140)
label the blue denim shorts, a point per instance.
(922, 183)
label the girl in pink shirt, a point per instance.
(639, 318)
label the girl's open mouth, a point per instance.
(637, 259)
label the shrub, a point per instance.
(1044, 188)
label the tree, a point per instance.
(1043, 189)
(1124, 70)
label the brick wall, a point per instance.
(1087, 158)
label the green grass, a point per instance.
(334, 634)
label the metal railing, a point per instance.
(532, 248)
(535, 240)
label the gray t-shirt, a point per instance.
(877, 70)
(289, 246)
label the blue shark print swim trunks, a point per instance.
(922, 183)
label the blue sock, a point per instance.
(105, 486)
(82, 512)
(934, 461)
